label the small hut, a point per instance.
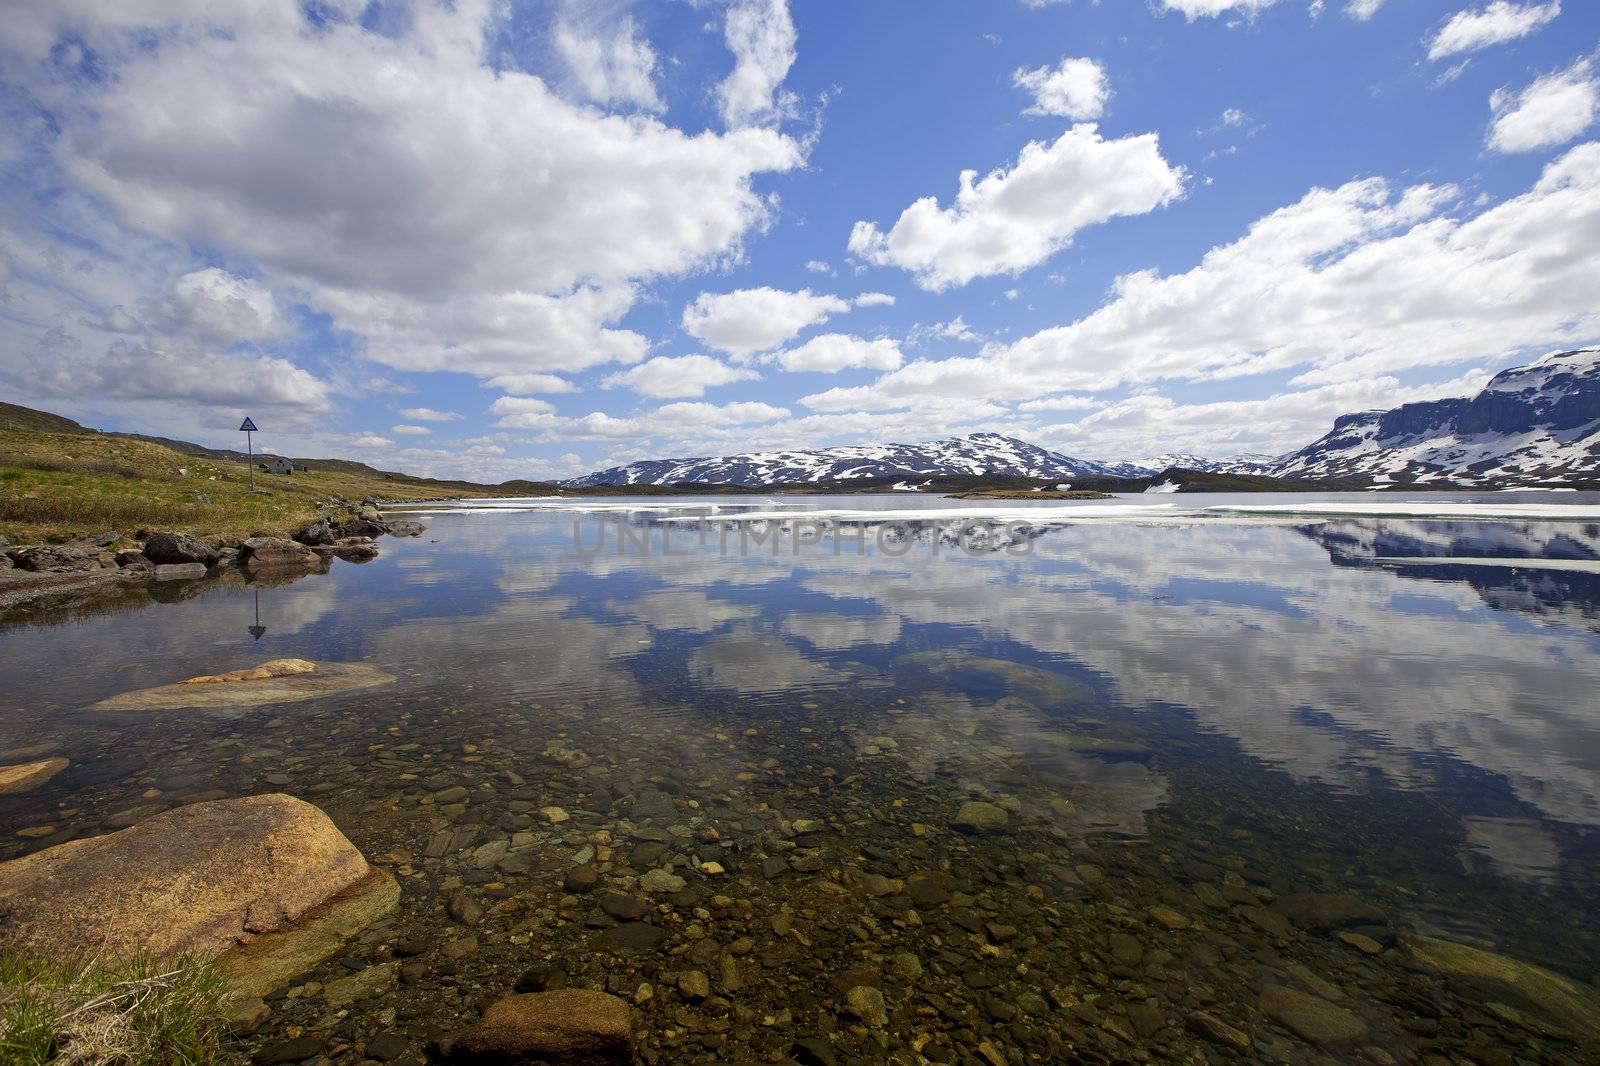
(277, 464)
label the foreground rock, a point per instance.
(25, 777)
(277, 681)
(173, 548)
(569, 1026)
(57, 558)
(266, 878)
(265, 552)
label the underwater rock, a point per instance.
(278, 681)
(975, 816)
(571, 1026)
(274, 668)
(1541, 993)
(1311, 1018)
(205, 879)
(25, 777)
(179, 571)
(1052, 687)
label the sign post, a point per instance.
(248, 428)
(258, 630)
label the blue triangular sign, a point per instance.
(248, 427)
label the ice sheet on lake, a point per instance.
(1417, 509)
(1582, 566)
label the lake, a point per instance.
(1124, 788)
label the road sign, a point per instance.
(248, 427)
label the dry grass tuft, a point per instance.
(132, 1014)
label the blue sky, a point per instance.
(532, 239)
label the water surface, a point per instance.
(1212, 718)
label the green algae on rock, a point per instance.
(1541, 993)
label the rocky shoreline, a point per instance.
(43, 577)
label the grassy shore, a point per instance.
(131, 1014)
(54, 485)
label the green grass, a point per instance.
(131, 1014)
(56, 485)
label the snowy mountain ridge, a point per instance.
(991, 454)
(1528, 424)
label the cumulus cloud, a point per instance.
(1347, 283)
(447, 212)
(1074, 88)
(761, 36)
(1471, 30)
(1553, 110)
(747, 321)
(1150, 421)
(874, 299)
(1362, 10)
(524, 412)
(1012, 219)
(530, 384)
(611, 64)
(410, 431)
(428, 414)
(1197, 9)
(818, 266)
(671, 421)
(832, 352)
(686, 375)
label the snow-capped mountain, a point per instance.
(977, 453)
(1530, 423)
(1248, 463)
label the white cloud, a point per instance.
(818, 266)
(1346, 284)
(761, 37)
(1195, 9)
(449, 212)
(524, 412)
(1499, 22)
(1010, 220)
(673, 421)
(410, 431)
(1553, 110)
(1064, 402)
(1232, 116)
(1362, 10)
(216, 307)
(747, 321)
(529, 384)
(1151, 422)
(369, 440)
(1075, 88)
(611, 64)
(874, 299)
(428, 414)
(832, 352)
(686, 375)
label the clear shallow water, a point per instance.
(1216, 717)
